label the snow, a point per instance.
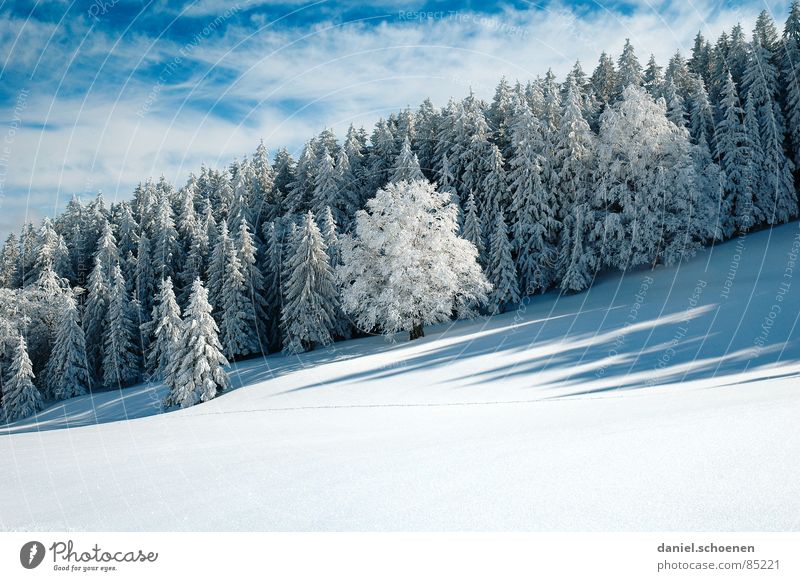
(657, 400)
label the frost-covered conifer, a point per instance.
(20, 396)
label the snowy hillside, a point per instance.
(665, 399)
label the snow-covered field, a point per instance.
(658, 400)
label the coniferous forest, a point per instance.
(434, 213)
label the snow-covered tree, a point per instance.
(629, 71)
(534, 208)
(9, 261)
(238, 331)
(736, 159)
(20, 396)
(406, 266)
(120, 355)
(646, 185)
(500, 270)
(575, 166)
(326, 183)
(310, 295)
(406, 166)
(472, 229)
(195, 372)
(94, 318)
(224, 250)
(776, 200)
(67, 372)
(164, 327)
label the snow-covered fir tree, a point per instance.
(407, 165)
(472, 229)
(195, 373)
(164, 328)
(501, 270)
(735, 154)
(406, 266)
(121, 354)
(21, 398)
(67, 372)
(534, 210)
(310, 294)
(238, 327)
(94, 318)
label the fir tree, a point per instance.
(473, 229)
(67, 372)
(195, 373)
(238, 332)
(20, 396)
(164, 327)
(407, 165)
(94, 318)
(9, 259)
(120, 359)
(735, 154)
(310, 295)
(500, 270)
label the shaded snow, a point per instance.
(645, 403)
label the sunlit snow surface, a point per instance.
(661, 399)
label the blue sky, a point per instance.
(98, 95)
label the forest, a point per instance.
(436, 213)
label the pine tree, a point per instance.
(735, 154)
(500, 270)
(67, 372)
(145, 283)
(120, 359)
(653, 78)
(406, 166)
(107, 253)
(264, 204)
(28, 244)
(300, 191)
(273, 268)
(777, 199)
(574, 161)
(534, 210)
(310, 295)
(164, 327)
(238, 331)
(495, 194)
(326, 183)
(195, 372)
(20, 396)
(629, 71)
(164, 241)
(473, 228)
(94, 318)
(9, 260)
(604, 82)
(580, 260)
(223, 250)
(790, 72)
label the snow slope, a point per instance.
(658, 400)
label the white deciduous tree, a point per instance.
(406, 266)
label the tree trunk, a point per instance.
(416, 332)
